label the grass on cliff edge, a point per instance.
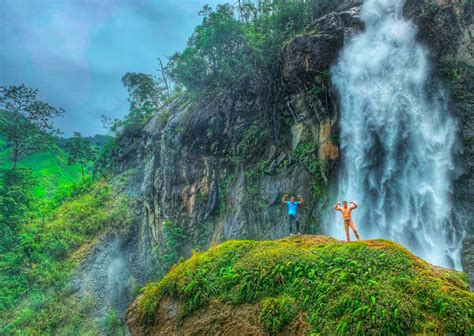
(369, 288)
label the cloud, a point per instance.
(76, 51)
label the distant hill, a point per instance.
(100, 140)
(50, 167)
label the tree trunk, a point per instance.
(240, 11)
(15, 156)
(163, 76)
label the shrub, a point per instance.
(113, 325)
(277, 312)
(16, 201)
(173, 236)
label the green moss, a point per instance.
(277, 312)
(366, 288)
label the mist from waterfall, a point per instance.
(397, 139)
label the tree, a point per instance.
(225, 53)
(163, 71)
(81, 151)
(217, 55)
(16, 200)
(145, 95)
(107, 160)
(144, 92)
(25, 121)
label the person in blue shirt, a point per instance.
(292, 205)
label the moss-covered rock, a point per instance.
(305, 285)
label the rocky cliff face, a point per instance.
(216, 168)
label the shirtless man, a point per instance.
(346, 215)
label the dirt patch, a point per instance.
(308, 240)
(217, 319)
(450, 276)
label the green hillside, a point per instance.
(49, 167)
(35, 272)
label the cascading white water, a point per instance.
(397, 139)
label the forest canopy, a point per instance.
(233, 42)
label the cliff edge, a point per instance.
(303, 285)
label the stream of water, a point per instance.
(397, 139)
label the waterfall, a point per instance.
(397, 139)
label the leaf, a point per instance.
(372, 282)
(373, 299)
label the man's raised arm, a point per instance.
(283, 200)
(300, 199)
(354, 205)
(337, 207)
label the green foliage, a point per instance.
(216, 53)
(147, 95)
(25, 122)
(251, 144)
(80, 151)
(16, 199)
(233, 43)
(360, 288)
(277, 312)
(144, 97)
(107, 160)
(173, 237)
(53, 313)
(16, 196)
(223, 187)
(36, 270)
(144, 92)
(113, 326)
(306, 153)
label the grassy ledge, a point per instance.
(370, 288)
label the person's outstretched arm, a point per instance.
(300, 199)
(283, 200)
(337, 207)
(354, 205)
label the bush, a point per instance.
(16, 201)
(113, 326)
(106, 163)
(276, 313)
(173, 236)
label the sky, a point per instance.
(75, 52)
